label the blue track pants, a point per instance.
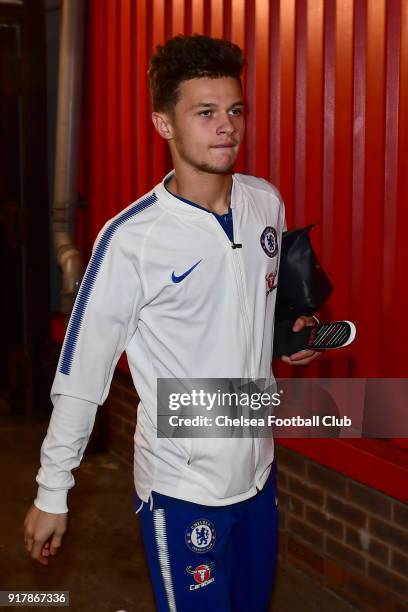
(215, 558)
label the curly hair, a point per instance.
(188, 57)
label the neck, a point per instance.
(212, 191)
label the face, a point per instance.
(207, 125)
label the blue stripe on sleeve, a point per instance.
(89, 280)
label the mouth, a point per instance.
(225, 146)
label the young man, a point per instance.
(183, 280)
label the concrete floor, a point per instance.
(101, 562)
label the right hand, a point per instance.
(43, 533)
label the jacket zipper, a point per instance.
(245, 315)
(245, 311)
(239, 280)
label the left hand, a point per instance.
(302, 357)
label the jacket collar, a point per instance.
(176, 205)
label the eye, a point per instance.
(205, 113)
(236, 111)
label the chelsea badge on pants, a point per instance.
(212, 557)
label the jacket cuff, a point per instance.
(52, 501)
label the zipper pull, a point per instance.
(235, 245)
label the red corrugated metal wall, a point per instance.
(327, 123)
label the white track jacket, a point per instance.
(216, 323)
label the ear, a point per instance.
(163, 125)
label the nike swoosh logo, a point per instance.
(178, 279)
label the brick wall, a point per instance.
(351, 538)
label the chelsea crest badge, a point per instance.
(200, 536)
(269, 241)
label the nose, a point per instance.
(226, 125)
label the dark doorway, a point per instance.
(24, 217)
